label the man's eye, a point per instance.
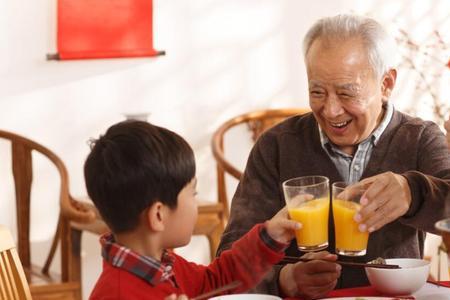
(346, 96)
(316, 93)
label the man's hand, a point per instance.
(310, 280)
(386, 199)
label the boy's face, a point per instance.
(182, 220)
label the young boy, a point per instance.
(141, 178)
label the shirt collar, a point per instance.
(149, 269)
(384, 123)
(376, 134)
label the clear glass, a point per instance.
(345, 203)
(308, 202)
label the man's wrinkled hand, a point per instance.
(310, 280)
(386, 199)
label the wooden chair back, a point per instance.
(13, 282)
(44, 284)
(257, 122)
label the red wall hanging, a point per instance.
(104, 29)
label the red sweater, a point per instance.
(248, 260)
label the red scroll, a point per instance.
(105, 29)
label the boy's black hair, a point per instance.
(134, 165)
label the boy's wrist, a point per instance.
(271, 242)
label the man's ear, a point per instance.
(388, 84)
(155, 215)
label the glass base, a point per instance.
(351, 252)
(313, 248)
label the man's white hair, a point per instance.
(381, 47)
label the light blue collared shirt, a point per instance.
(351, 167)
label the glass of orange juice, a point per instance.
(345, 203)
(308, 202)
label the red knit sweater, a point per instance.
(248, 260)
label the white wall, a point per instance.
(223, 58)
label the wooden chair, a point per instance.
(256, 122)
(43, 283)
(208, 224)
(13, 282)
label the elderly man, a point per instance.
(353, 134)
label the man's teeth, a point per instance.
(341, 124)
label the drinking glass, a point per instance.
(345, 203)
(308, 202)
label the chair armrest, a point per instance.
(94, 225)
(77, 210)
(205, 207)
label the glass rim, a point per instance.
(334, 186)
(325, 179)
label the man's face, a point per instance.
(344, 94)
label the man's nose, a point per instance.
(333, 106)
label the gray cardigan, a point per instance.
(409, 146)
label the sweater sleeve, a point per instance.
(248, 261)
(430, 183)
(257, 197)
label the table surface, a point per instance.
(428, 291)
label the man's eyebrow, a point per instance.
(314, 83)
(349, 86)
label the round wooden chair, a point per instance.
(13, 282)
(256, 122)
(65, 284)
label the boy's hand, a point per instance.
(281, 228)
(174, 297)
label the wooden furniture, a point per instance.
(208, 224)
(257, 122)
(43, 283)
(13, 282)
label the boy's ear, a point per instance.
(155, 216)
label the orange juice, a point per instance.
(348, 237)
(313, 215)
